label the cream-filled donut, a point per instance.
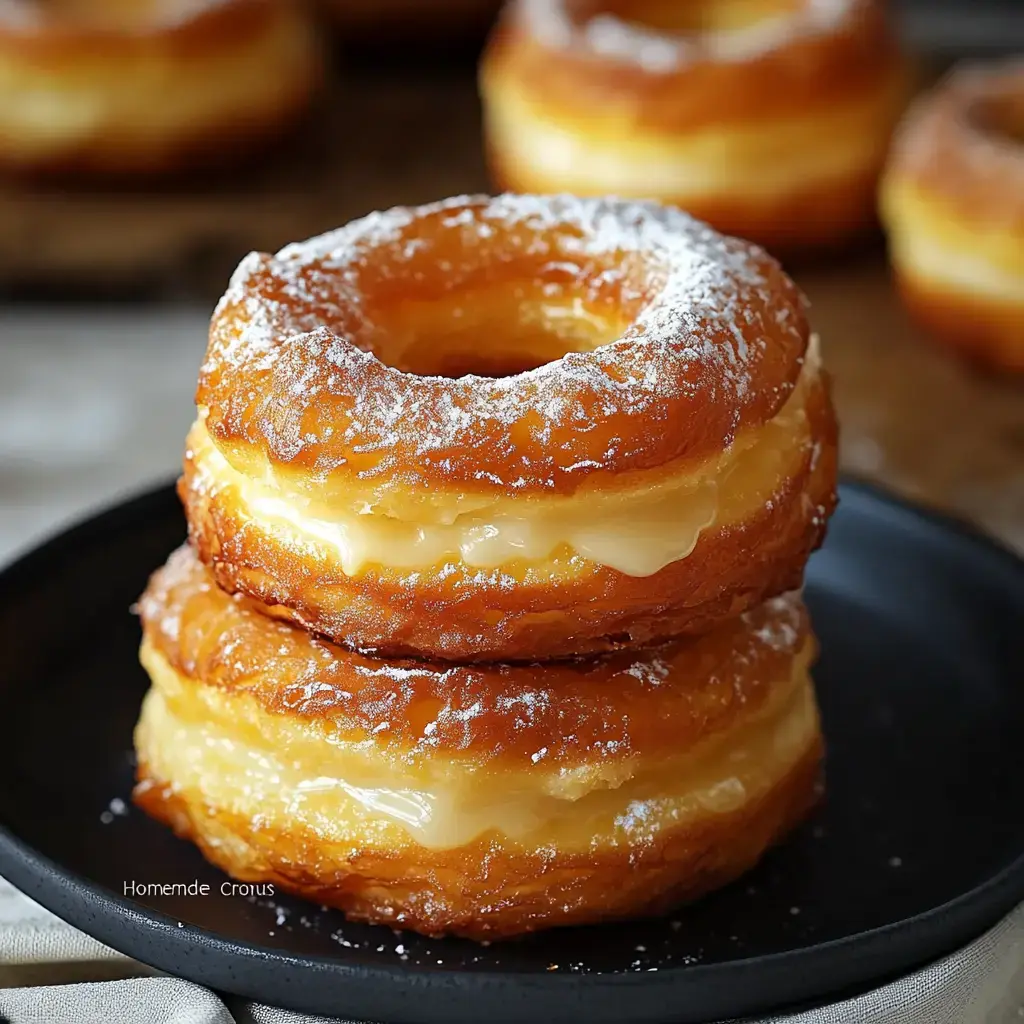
(953, 204)
(482, 800)
(511, 428)
(769, 119)
(125, 87)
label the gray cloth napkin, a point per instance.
(52, 974)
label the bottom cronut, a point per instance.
(670, 832)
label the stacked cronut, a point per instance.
(488, 623)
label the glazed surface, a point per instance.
(522, 717)
(665, 412)
(637, 527)
(223, 746)
(560, 605)
(484, 800)
(299, 370)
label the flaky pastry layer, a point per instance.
(488, 890)
(637, 525)
(678, 419)
(682, 569)
(605, 338)
(156, 86)
(485, 801)
(575, 711)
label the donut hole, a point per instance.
(695, 17)
(494, 332)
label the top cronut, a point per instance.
(607, 337)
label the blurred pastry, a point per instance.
(512, 428)
(121, 87)
(953, 203)
(769, 121)
(484, 801)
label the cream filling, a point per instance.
(762, 161)
(637, 532)
(150, 94)
(968, 271)
(338, 792)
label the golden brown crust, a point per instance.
(490, 889)
(985, 330)
(574, 81)
(579, 101)
(952, 200)
(291, 371)
(452, 611)
(166, 85)
(652, 701)
(544, 794)
(963, 143)
(815, 218)
(304, 422)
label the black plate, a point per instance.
(919, 847)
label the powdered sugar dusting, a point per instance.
(299, 325)
(597, 710)
(780, 629)
(608, 35)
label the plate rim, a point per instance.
(834, 964)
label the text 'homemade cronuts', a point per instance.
(519, 427)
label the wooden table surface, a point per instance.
(913, 418)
